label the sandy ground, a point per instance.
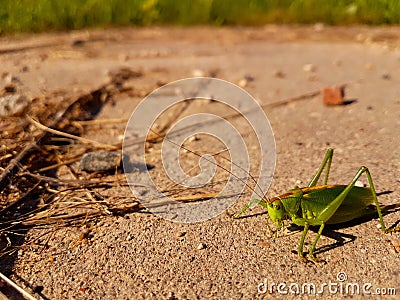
(139, 255)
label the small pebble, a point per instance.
(99, 161)
(242, 83)
(7, 77)
(201, 246)
(10, 88)
(171, 296)
(13, 105)
(309, 68)
(181, 233)
(249, 78)
(245, 81)
(279, 74)
(193, 138)
(198, 73)
(359, 184)
(78, 42)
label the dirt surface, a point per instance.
(139, 255)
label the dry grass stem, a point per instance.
(71, 136)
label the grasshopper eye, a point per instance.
(277, 206)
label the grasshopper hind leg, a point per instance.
(327, 212)
(365, 170)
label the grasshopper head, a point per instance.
(276, 212)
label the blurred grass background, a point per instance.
(54, 15)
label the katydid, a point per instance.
(319, 205)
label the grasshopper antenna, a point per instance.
(218, 165)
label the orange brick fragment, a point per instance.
(333, 95)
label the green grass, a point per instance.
(52, 15)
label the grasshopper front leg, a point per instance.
(250, 204)
(306, 224)
(311, 251)
(301, 245)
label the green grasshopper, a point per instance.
(319, 205)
